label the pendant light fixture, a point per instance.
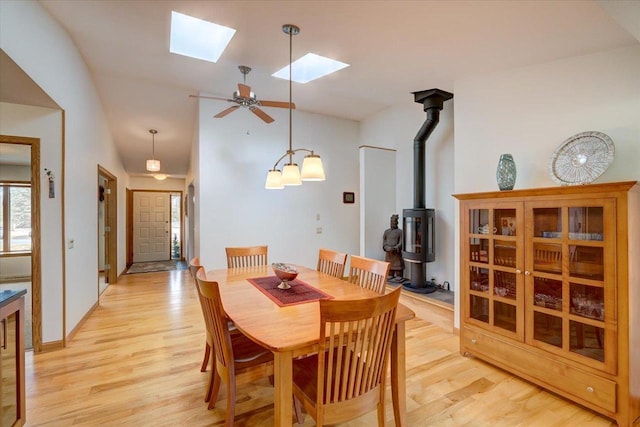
(153, 165)
(312, 169)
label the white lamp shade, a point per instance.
(274, 180)
(291, 174)
(153, 165)
(312, 169)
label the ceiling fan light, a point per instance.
(153, 165)
(312, 169)
(291, 174)
(274, 180)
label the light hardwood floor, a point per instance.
(136, 362)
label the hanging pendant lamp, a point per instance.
(153, 165)
(312, 169)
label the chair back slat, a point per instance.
(249, 256)
(331, 262)
(357, 350)
(369, 273)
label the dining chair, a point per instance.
(368, 273)
(248, 256)
(237, 358)
(332, 262)
(346, 378)
(194, 266)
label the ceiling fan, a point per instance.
(243, 97)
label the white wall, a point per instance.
(396, 128)
(41, 47)
(377, 198)
(235, 209)
(530, 111)
(45, 124)
(150, 183)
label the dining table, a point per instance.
(292, 330)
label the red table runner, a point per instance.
(299, 293)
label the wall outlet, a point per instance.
(319, 230)
(71, 243)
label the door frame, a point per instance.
(111, 220)
(36, 265)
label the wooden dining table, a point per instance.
(293, 331)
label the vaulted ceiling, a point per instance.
(394, 48)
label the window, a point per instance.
(15, 217)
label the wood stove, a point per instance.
(418, 223)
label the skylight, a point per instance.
(197, 38)
(310, 67)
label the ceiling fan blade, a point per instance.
(227, 111)
(211, 97)
(264, 116)
(278, 104)
(244, 90)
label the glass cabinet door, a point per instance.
(569, 288)
(494, 282)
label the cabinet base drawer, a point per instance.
(576, 384)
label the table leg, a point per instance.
(398, 376)
(282, 371)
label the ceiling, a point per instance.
(394, 48)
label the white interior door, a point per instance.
(151, 226)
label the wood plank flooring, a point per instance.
(136, 362)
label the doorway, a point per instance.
(151, 215)
(20, 228)
(154, 226)
(107, 228)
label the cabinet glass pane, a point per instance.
(479, 250)
(586, 223)
(504, 284)
(479, 308)
(586, 262)
(587, 340)
(587, 301)
(504, 316)
(479, 279)
(547, 257)
(547, 293)
(504, 253)
(479, 221)
(504, 222)
(547, 222)
(547, 328)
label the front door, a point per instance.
(151, 226)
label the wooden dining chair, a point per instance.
(368, 273)
(346, 378)
(248, 256)
(194, 266)
(237, 358)
(332, 262)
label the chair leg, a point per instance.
(205, 361)
(231, 403)
(215, 388)
(297, 408)
(381, 414)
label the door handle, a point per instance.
(4, 334)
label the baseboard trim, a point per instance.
(51, 346)
(81, 322)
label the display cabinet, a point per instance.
(12, 389)
(550, 290)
